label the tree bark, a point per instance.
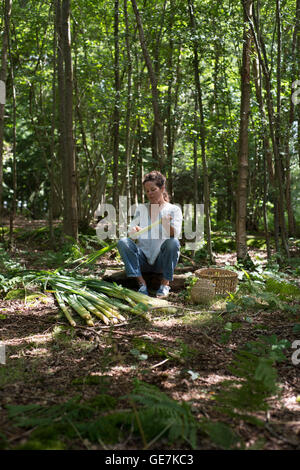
(158, 145)
(129, 105)
(279, 188)
(292, 117)
(202, 135)
(243, 167)
(3, 73)
(116, 114)
(65, 82)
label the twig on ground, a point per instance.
(212, 341)
(159, 364)
(92, 330)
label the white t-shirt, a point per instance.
(151, 241)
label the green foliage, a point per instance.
(88, 380)
(223, 244)
(3, 441)
(263, 289)
(15, 294)
(285, 290)
(228, 329)
(255, 379)
(58, 423)
(160, 415)
(7, 264)
(220, 434)
(147, 347)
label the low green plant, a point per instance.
(285, 290)
(221, 435)
(255, 379)
(263, 290)
(56, 424)
(159, 415)
(17, 371)
(7, 263)
(150, 347)
(189, 283)
(229, 327)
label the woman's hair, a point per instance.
(160, 181)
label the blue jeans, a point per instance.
(136, 262)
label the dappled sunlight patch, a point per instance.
(36, 339)
(36, 352)
(200, 318)
(120, 370)
(289, 401)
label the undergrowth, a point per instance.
(148, 416)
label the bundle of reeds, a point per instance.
(91, 297)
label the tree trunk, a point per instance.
(242, 183)
(292, 117)
(297, 55)
(65, 82)
(129, 104)
(116, 114)
(158, 146)
(13, 205)
(279, 196)
(195, 159)
(202, 135)
(3, 72)
(52, 140)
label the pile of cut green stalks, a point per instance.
(92, 298)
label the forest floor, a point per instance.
(184, 354)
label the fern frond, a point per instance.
(159, 412)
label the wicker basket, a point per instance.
(202, 292)
(223, 279)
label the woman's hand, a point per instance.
(134, 230)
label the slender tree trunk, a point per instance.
(292, 117)
(129, 104)
(172, 105)
(268, 167)
(265, 199)
(202, 135)
(65, 81)
(170, 122)
(3, 72)
(116, 114)
(158, 148)
(13, 205)
(52, 139)
(279, 188)
(195, 159)
(242, 184)
(298, 68)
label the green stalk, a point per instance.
(83, 312)
(93, 256)
(108, 310)
(92, 308)
(64, 309)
